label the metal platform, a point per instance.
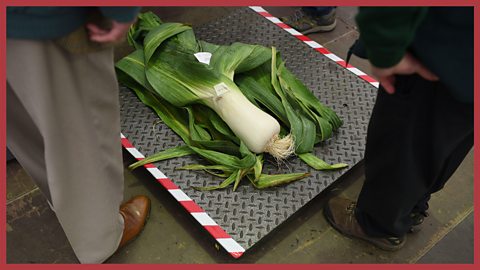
(249, 214)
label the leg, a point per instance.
(73, 101)
(318, 11)
(26, 142)
(416, 139)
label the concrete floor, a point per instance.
(171, 236)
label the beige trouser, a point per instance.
(63, 126)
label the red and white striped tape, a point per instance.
(222, 237)
(314, 45)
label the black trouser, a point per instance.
(416, 139)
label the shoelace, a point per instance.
(351, 214)
(297, 15)
(351, 207)
(351, 211)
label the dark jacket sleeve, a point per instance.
(387, 32)
(120, 14)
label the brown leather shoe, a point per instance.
(135, 213)
(340, 212)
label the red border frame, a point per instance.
(265, 3)
(245, 3)
(3, 135)
(476, 186)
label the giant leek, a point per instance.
(229, 110)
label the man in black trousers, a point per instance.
(421, 127)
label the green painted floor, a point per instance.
(172, 236)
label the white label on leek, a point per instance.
(221, 89)
(203, 57)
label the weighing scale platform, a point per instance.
(248, 214)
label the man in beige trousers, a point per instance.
(63, 121)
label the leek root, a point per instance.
(257, 129)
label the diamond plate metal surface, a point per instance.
(249, 214)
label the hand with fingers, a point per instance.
(116, 33)
(407, 65)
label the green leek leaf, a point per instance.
(174, 152)
(319, 164)
(159, 34)
(267, 181)
(232, 178)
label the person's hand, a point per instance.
(115, 34)
(408, 65)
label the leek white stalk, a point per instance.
(256, 128)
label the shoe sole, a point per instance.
(327, 214)
(321, 29)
